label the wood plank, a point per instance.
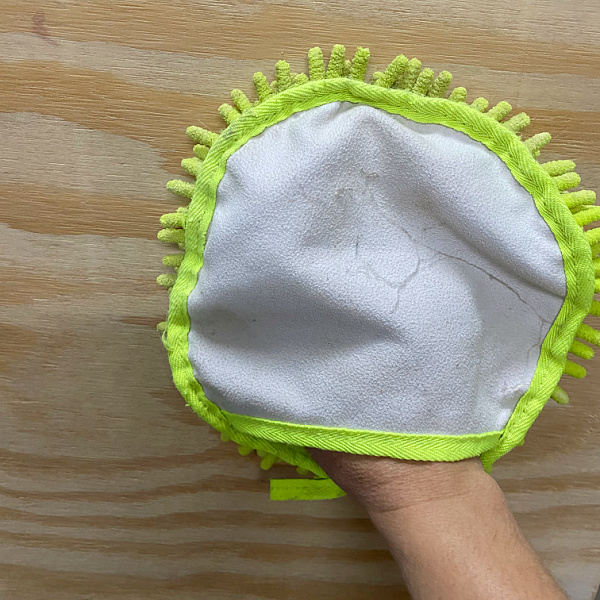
(109, 486)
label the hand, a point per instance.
(447, 525)
(383, 484)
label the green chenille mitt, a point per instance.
(377, 268)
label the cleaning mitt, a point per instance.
(377, 268)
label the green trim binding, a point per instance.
(404, 89)
(410, 446)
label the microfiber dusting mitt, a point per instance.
(377, 268)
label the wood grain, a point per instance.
(110, 488)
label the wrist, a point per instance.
(414, 484)
(384, 484)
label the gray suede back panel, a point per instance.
(365, 271)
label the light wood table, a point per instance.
(110, 487)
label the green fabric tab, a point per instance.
(305, 489)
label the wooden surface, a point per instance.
(110, 487)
